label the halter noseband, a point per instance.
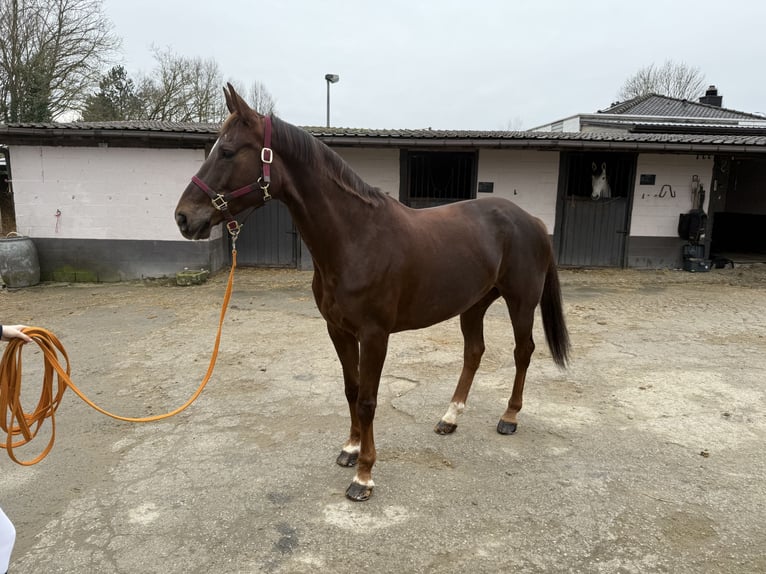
(221, 200)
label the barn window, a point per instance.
(436, 177)
(619, 170)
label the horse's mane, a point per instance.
(308, 149)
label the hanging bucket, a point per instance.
(19, 265)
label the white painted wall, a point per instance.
(655, 216)
(377, 167)
(570, 124)
(124, 193)
(526, 177)
(102, 193)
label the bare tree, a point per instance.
(258, 96)
(261, 100)
(52, 52)
(182, 90)
(514, 125)
(673, 79)
(17, 28)
(205, 94)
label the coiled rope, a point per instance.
(15, 421)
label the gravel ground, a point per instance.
(645, 456)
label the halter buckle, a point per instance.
(219, 202)
(267, 155)
(233, 227)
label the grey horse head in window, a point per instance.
(601, 189)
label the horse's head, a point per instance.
(234, 177)
(599, 182)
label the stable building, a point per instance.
(734, 188)
(98, 198)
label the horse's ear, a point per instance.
(236, 103)
(227, 94)
(603, 166)
(593, 165)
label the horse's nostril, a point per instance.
(181, 220)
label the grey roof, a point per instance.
(165, 134)
(123, 133)
(132, 125)
(656, 105)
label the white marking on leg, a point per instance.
(455, 409)
(351, 448)
(369, 483)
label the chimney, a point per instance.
(711, 97)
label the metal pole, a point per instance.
(331, 79)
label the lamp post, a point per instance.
(331, 79)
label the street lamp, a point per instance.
(331, 79)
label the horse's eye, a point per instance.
(227, 153)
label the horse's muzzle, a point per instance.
(190, 230)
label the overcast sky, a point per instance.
(468, 64)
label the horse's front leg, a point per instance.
(373, 349)
(347, 348)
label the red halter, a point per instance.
(221, 200)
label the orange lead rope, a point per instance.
(15, 421)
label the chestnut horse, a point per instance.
(381, 267)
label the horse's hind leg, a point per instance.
(347, 348)
(472, 326)
(523, 318)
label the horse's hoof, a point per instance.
(445, 428)
(346, 458)
(358, 492)
(504, 427)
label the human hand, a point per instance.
(15, 331)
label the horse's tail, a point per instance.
(554, 325)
